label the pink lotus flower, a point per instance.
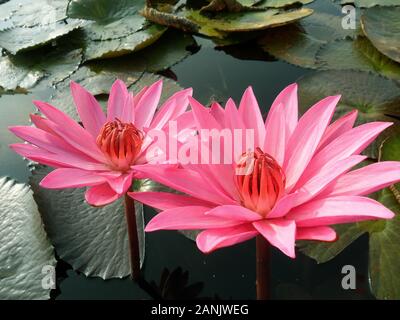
(102, 154)
(299, 185)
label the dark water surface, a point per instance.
(228, 273)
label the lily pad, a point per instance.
(299, 43)
(372, 3)
(92, 240)
(382, 27)
(24, 246)
(248, 21)
(112, 48)
(358, 54)
(32, 24)
(376, 98)
(44, 68)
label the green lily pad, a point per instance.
(382, 27)
(358, 54)
(390, 150)
(372, 3)
(299, 43)
(24, 248)
(248, 21)
(32, 24)
(43, 68)
(93, 240)
(375, 98)
(117, 47)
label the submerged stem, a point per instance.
(134, 253)
(262, 268)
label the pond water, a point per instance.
(228, 273)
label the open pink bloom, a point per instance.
(299, 185)
(101, 154)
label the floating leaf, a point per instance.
(44, 67)
(298, 44)
(34, 24)
(117, 47)
(357, 54)
(382, 27)
(325, 251)
(375, 98)
(24, 247)
(384, 252)
(372, 3)
(93, 240)
(248, 21)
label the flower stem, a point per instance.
(134, 253)
(262, 268)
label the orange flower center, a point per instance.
(260, 181)
(121, 143)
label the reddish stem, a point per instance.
(262, 268)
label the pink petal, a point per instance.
(187, 218)
(275, 131)
(55, 160)
(366, 180)
(316, 233)
(217, 112)
(89, 109)
(70, 131)
(202, 116)
(306, 137)
(120, 184)
(184, 180)
(70, 178)
(340, 209)
(212, 239)
(231, 212)
(283, 206)
(288, 97)
(147, 105)
(128, 111)
(251, 115)
(337, 128)
(166, 200)
(41, 123)
(352, 142)
(101, 195)
(326, 175)
(172, 108)
(139, 95)
(280, 233)
(116, 100)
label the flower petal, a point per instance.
(88, 108)
(316, 233)
(306, 137)
(175, 106)
(275, 133)
(101, 195)
(120, 184)
(340, 209)
(231, 212)
(166, 200)
(184, 180)
(202, 116)
(251, 115)
(70, 178)
(337, 128)
(280, 233)
(147, 105)
(41, 123)
(187, 218)
(217, 112)
(116, 100)
(70, 131)
(366, 180)
(352, 142)
(212, 239)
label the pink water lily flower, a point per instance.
(103, 152)
(300, 183)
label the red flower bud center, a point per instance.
(121, 143)
(260, 181)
